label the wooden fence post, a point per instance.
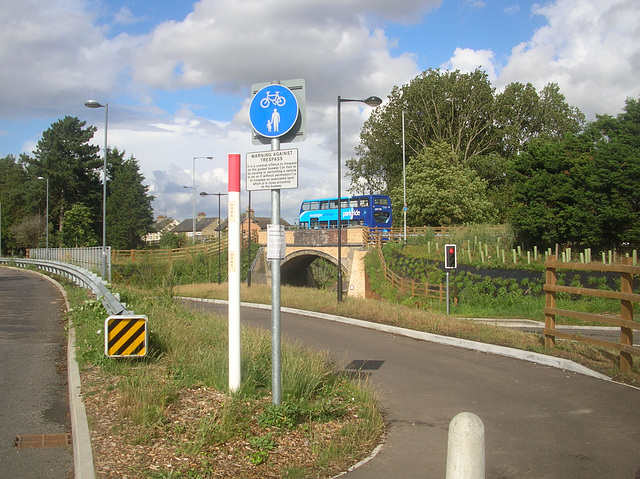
(626, 312)
(550, 302)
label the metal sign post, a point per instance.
(275, 116)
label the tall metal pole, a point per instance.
(276, 366)
(95, 104)
(219, 272)
(371, 101)
(219, 224)
(193, 202)
(47, 224)
(339, 225)
(104, 195)
(46, 251)
(404, 181)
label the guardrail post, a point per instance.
(465, 451)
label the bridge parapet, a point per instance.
(306, 245)
(321, 237)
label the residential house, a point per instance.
(205, 227)
(162, 225)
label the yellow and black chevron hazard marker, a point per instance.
(126, 336)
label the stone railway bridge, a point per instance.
(305, 246)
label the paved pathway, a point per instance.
(33, 382)
(540, 421)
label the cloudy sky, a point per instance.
(177, 74)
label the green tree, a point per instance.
(440, 106)
(77, 227)
(72, 165)
(129, 212)
(524, 115)
(443, 192)
(13, 197)
(582, 190)
(27, 232)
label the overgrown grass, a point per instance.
(421, 319)
(189, 349)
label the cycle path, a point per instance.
(544, 419)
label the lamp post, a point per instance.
(194, 191)
(47, 220)
(404, 177)
(372, 101)
(95, 104)
(219, 223)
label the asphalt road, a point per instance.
(540, 421)
(33, 384)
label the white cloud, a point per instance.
(50, 51)
(589, 47)
(467, 60)
(57, 53)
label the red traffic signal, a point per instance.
(450, 256)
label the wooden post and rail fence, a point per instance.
(626, 296)
(414, 288)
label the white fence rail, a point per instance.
(87, 258)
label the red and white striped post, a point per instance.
(234, 271)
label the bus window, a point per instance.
(333, 204)
(363, 202)
(344, 203)
(313, 205)
(306, 206)
(324, 205)
(381, 216)
(380, 201)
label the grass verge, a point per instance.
(169, 415)
(386, 312)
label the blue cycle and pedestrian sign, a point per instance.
(273, 111)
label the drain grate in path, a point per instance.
(43, 440)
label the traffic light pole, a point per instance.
(447, 292)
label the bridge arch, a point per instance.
(294, 270)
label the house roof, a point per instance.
(187, 225)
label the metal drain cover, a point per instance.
(43, 440)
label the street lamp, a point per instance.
(47, 219)
(95, 104)
(404, 176)
(372, 101)
(219, 222)
(194, 191)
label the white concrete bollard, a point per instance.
(465, 452)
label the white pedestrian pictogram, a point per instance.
(275, 121)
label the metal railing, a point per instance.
(79, 276)
(89, 258)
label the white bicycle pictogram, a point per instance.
(273, 98)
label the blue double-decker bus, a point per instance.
(373, 211)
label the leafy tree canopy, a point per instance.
(464, 111)
(72, 165)
(583, 189)
(77, 228)
(441, 191)
(129, 212)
